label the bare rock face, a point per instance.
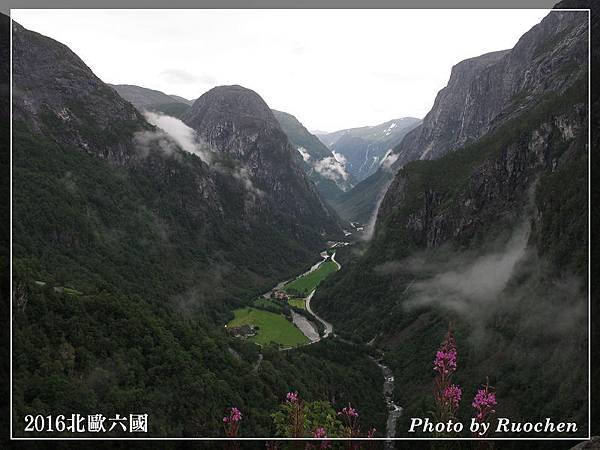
(53, 86)
(486, 91)
(237, 123)
(498, 189)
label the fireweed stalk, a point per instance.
(296, 414)
(349, 416)
(319, 433)
(447, 396)
(231, 423)
(484, 402)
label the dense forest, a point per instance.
(129, 259)
(531, 216)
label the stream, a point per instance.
(310, 331)
(394, 411)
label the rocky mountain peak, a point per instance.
(237, 122)
(228, 111)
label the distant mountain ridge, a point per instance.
(323, 168)
(365, 148)
(182, 100)
(152, 100)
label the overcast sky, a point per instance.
(332, 69)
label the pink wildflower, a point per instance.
(231, 422)
(292, 397)
(445, 362)
(348, 411)
(371, 433)
(320, 433)
(452, 394)
(235, 415)
(445, 358)
(484, 403)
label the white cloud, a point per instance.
(304, 153)
(339, 157)
(180, 132)
(389, 159)
(331, 169)
(173, 129)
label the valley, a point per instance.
(278, 316)
(270, 328)
(190, 256)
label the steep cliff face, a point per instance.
(483, 93)
(327, 173)
(493, 183)
(237, 123)
(490, 237)
(57, 94)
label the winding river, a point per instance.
(394, 411)
(310, 331)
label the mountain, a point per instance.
(238, 123)
(182, 100)
(151, 100)
(132, 245)
(364, 148)
(483, 229)
(5, 185)
(482, 93)
(328, 174)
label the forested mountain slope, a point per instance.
(131, 247)
(489, 238)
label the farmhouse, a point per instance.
(280, 295)
(241, 331)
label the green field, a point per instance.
(297, 303)
(273, 328)
(307, 283)
(268, 304)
